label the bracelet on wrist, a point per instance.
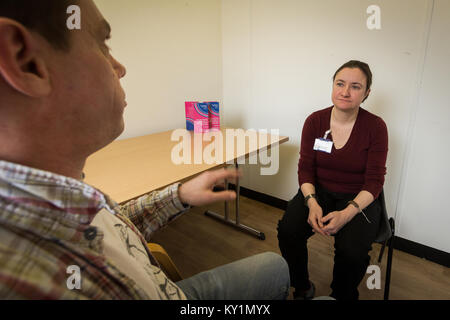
(353, 203)
(356, 205)
(312, 195)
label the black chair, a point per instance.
(385, 236)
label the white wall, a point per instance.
(278, 60)
(423, 213)
(172, 50)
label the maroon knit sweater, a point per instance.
(359, 165)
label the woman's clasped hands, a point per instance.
(330, 224)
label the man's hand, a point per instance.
(199, 191)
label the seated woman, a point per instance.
(341, 173)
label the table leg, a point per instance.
(227, 209)
(237, 224)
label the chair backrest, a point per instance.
(165, 262)
(384, 232)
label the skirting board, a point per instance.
(410, 247)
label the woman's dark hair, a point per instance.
(364, 67)
(46, 17)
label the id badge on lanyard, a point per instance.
(323, 144)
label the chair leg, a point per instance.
(389, 261)
(382, 251)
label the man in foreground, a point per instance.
(60, 101)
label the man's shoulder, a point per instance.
(28, 270)
(23, 276)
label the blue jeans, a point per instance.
(261, 277)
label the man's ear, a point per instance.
(21, 65)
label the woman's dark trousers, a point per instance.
(352, 243)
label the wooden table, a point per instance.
(128, 169)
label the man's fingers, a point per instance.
(219, 185)
(223, 196)
(225, 174)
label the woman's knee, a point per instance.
(353, 255)
(292, 228)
